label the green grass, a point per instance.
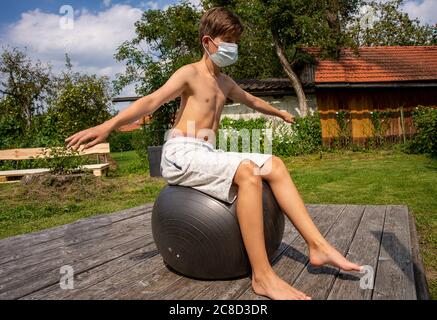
(26, 209)
(380, 177)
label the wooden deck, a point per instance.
(114, 257)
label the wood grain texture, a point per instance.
(114, 257)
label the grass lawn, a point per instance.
(380, 177)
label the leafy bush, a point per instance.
(425, 138)
(9, 131)
(233, 131)
(145, 137)
(303, 136)
(121, 141)
(343, 139)
(61, 160)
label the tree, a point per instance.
(171, 40)
(24, 86)
(293, 24)
(385, 24)
(38, 108)
(275, 33)
(79, 101)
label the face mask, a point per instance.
(226, 54)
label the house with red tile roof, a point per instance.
(393, 80)
(361, 83)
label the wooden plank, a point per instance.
(80, 244)
(23, 286)
(96, 166)
(185, 288)
(73, 248)
(363, 250)
(74, 236)
(142, 274)
(139, 284)
(295, 259)
(18, 243)
(22, 172)
(317, 281)
(12, 181)
(94, 276)
(422, 290)
(395, 275)
(30, 153)
(114, 257)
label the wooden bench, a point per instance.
(10, 176)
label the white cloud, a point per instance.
(153, 5)
(196, 3)
(107, 3)
(149, 5)
(425, 10)
(91, 44)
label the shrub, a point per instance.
(425, 138)
(304, 136)
(61, 160)
(121, 141)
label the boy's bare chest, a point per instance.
(211, 93)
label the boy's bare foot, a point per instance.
(326, 254)
(273, 287)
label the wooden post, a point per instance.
(403, 124)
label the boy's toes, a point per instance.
(350, 266)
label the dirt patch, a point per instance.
(77, 186)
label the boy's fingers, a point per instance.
(91, 144)
(78, 140)
(84, 139)
(71, 137)
(72, 143)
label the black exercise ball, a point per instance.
(199, 236)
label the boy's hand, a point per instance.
(287, 117)
(97, 134)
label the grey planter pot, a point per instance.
(154, 155)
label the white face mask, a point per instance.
(226, 54)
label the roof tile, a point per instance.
(379, 64)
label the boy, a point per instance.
(190, 159)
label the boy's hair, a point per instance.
(219, 21)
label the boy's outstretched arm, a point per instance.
(239, 95)
(172, 89)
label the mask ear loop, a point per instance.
(204, 47)
(211, 41)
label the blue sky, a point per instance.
(100, 26)
(12, 11)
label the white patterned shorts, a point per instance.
(193, 162)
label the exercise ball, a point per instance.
(199, 236)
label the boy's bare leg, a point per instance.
(250, 217)
(288, 197)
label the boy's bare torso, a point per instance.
(202, 102)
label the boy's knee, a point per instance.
(248, 173)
